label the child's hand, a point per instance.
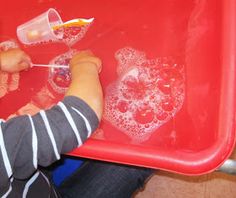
(85, 59)
(14, 60)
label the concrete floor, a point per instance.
(170, 185)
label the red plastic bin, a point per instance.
(198, 35)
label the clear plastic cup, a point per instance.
(40, 28)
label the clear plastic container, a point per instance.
(40, 28)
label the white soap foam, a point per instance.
(147, 94)
(59, 78)
(73, 34)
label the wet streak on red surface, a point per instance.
(201, 135)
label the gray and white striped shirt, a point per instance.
(27, 142)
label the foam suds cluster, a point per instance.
(147, 94)
(9, 44)
(43, 99)
(13, 83)
(71, 34)
(59, 78)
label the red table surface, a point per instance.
(202, 133)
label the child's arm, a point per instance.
(85, 80)
(28, 141)
(14, 60)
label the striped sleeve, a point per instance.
(29, 141)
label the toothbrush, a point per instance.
(74, 22)
(49, 65)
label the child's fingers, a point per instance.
(90, 59)
(24, 62)
(85, 56)
(82, 54)
(26, 59)
(14, 60)
(85, 53)
(23, 65)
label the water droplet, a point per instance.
(164, 86)
(122, 106)
(167, 104)
(144, 115)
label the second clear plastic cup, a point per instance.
(40, 28)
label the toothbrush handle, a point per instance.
(49, 65)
